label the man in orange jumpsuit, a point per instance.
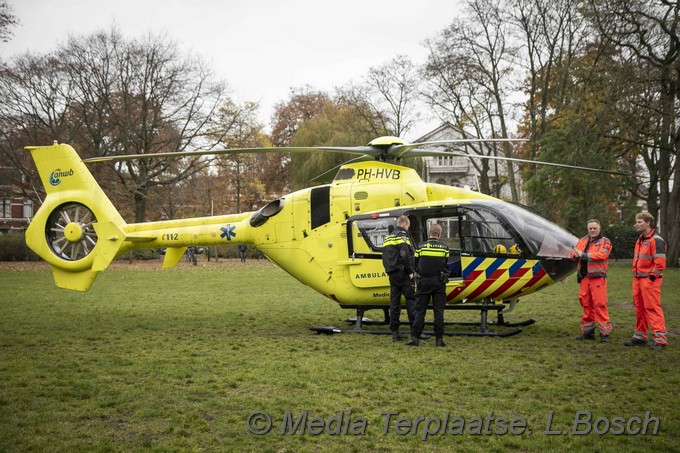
(592, 253)
(649, 262)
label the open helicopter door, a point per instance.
(477, 238)
(367, 233)
(483, 249)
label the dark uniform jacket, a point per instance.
(398, 252)
(431, 258)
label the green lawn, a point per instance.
(182, 359)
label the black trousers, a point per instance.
(430, 288)
(401, 284)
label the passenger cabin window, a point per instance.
(373, 232)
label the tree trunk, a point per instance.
(669, 200)
(139, 198)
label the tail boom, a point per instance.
(79, 232)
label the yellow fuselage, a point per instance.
(308, 233)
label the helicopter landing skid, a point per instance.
(483, 325)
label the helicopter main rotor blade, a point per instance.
(425, 152)
(378, 151)
(398, 151)
(366, 150)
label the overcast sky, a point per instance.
(261, 48)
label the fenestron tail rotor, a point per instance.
(69, 231)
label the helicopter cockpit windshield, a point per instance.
(546, 239)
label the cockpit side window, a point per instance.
(484, 234)
(450, 230)
(451, 237)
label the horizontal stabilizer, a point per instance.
(139, 238)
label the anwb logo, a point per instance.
(56, 175)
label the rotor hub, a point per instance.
(73, 232)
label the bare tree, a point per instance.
(236, 126)
(553, 34)
(469, 71)
(107, 96)
(572, 86)
(386, 97)
(140, 97)
(7, 21)
(34, 93)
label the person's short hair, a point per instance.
(646, 216)
(403, 220)
(435, 230)
(594, 221)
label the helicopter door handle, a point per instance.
(353, 262)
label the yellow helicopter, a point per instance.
(329, 237)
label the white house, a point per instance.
(458, 171)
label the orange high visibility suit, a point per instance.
(592, 275)
(649, 262)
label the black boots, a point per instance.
(635, 342)
(586, 336)
(415, 341)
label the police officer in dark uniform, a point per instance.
(398, 254)
(430, 259)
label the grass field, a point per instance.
(185, 359)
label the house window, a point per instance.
(6, 210)
(444, 161)
(28, 209)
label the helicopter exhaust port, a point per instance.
(263, 214)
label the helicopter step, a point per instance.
(483, 325)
